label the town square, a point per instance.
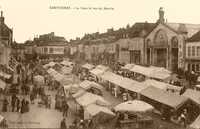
(144, 75)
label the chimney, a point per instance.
(161, 14)
(2, 18)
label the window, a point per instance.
(198, 51)
(189, 50)
(193, 67)
(193, 50)
(45, 50)
(51, 50)
(197, 67)
(188, 67)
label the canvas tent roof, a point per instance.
(89, 98)
(159, 70)
(66, 63)
(137, 87)
(161, 85)
(88, 66)
(5, 75)
(94, 109)
(79, 93)
(97, 71)
(141, 70)
(128, 66)
(102, 67)
(2, 84)
(107, 75)
(88, 84)
(193, 95)
(152, 92)
(116, 79)
(66, 70)
(99, 114)
(195, 124)
(51, 64)
(171, 99)
(127, 82)
(58, 76)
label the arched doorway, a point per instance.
(174, 53)
(160, 46)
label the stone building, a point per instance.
(6, 36)
(192, 53)
(165, 44)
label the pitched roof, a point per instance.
(193, 95)
(5, 30)
(190, 28)
(137, 28)
(195, 37)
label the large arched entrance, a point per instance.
(174, 53)
(160, 48)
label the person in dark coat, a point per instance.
(65, 109)
(5, 103)
(23, 106)
(13, 101)
(63, 124)
(32, 97)
(26, 105)
(18, 104)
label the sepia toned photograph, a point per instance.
(99, 64)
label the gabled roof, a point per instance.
(178, 28)
(194, 38)
(5, 30)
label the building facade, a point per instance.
(165, 44)
(192, 53)
(6, 36)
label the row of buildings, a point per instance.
(170, 45)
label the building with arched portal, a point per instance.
(165, 45)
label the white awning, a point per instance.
(141, 70)
(127, 82)
(89, 98)
(173, 100)
(88, 66)
(161, 85)
(193, 95)
(128, 66)
(97, 71)
(5, 75)
(137, 87)
(152, 92)
(2, 84)
(116, 79)
(102, 67)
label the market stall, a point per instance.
(162, 85)
(78, 94)
(101, 116)
(128, 66)
(135, 110)
(91, 87)
(195, 124)
(89, 98)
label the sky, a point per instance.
(29, 18)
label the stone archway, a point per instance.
(160, 48)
